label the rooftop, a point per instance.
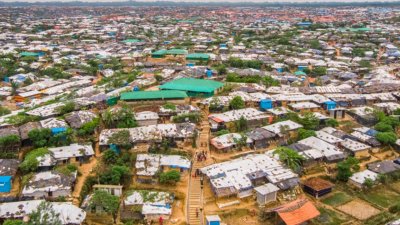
(153, 95)
(192, 84)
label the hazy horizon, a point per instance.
(212, 1)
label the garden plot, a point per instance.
(359, 209)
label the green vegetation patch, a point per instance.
(337, 199)
(329, 217)
(381, 196)
(382, 218)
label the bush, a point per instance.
(30, 163)
(4, 111)
(383, 127)
(39, 137)
(222, 132)
(191, 117)
(170, 177)
(121, 138)
(346, 168)
(89, 127)
(303, 133)
(68, 107)
(115, 175)
(332, 122)
(110, 157)
(170, 106)
(237, 103)
(395, 208)
(386, 137)
(9, 141)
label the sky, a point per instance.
(273, 1)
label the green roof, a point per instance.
(132, 41)
(193, 85)
(299, 73)
(174, 51)
(361, 29)
(198, 56)
(23, 54)
(150, 95)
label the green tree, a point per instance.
(89, 127)
(170, 106)
(221, 69)
(9, 141)
(383, 178)
(283, 41)
(222, 132)
(121, 138)
(241, 142)
(30, 163)
(319, 71)
(109, 157)
(14, 87)
(346, 168)
(387, 138)
(44, 215)
(121, 117)
(62, 138)
(241, 124)
(365, 64)
(396, 111)
(115, 175)
(237, 103)
(108, 202)
(290, 157)
(269, 81)
(309, 121)
(332, 122)
(368, 183)
(191, 117)
(383, 127)
(315, 44)
(67, 108)
(303, 133)
(392, 121)
(170, 177)
(379, 115)
(215, 104)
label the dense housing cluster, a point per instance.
(199, 115)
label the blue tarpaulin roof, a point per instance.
(5, 178)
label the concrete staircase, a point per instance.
(195, 202)
(195, 194)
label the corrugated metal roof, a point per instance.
(198, 56)
(191, 84)
(143, 95)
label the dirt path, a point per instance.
(85, 170)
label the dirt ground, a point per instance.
(359, 209)
(179, 206)
(85, 170)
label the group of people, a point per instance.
(201, 156)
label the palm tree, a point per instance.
(108, 118)
(290, 157)
(14, 87)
